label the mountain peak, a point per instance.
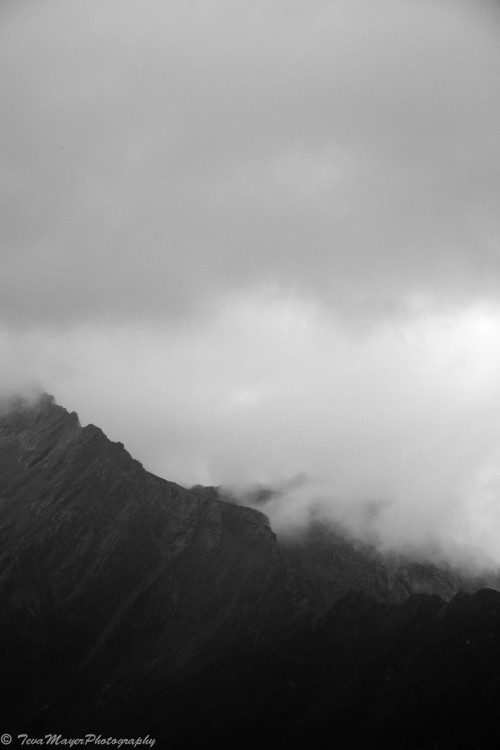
(123, 593)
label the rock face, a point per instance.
(98, 557)
(328, 564)
(131, 604)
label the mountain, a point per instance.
(133, 605)
(328, 561)
(98, 558)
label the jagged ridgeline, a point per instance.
(134, 606)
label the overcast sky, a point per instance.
(255, 240)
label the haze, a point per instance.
(254, 241)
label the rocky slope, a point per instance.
(327, 561)
(132, 604)
(99, 557)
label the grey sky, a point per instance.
(250, 239)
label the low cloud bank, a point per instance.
(394, 431)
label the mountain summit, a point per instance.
(132, 604)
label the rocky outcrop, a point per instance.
(328, 563)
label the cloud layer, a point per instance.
(157, 156)
(404, 417)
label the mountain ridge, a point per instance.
(123, 592)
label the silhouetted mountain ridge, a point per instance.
(123, 594)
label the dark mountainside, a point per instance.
(133, 606)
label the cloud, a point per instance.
(159, 156)
(257, 239)
(403, 418)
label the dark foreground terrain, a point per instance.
(133, 606)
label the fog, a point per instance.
(256, 241)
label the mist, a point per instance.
(403, 418)
(256, 242)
